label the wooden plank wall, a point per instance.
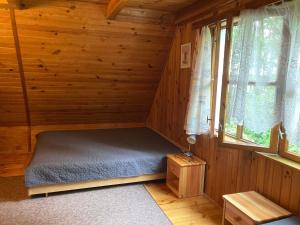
(14, 150)
(233, 170)
(13, 124)
(82, 68)
(228, 170)
(12, 107)
(79, 68)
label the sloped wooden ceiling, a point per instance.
(80, 67)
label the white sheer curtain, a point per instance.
(264, 85)
(199, 101)
(254, 67)
(291, 98)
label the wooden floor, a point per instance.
(190, 211)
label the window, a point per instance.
(252, 97)
(253, 78)
(257, 79)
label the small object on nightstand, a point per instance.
(188, 154)
(191, 139)
(250, 208)
(185, 175)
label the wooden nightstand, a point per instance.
(185, 175)
(250, 208)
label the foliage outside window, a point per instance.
(266, 86)
(261, 90)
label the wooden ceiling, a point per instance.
(80, 67)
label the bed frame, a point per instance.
(45, 189)
(92, 184)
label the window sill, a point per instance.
(281, 160)
(231, 140)
(228, 139)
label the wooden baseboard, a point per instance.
(91, 184)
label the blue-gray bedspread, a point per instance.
(77, 156)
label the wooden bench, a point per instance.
(249, 208)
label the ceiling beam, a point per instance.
(208, 8)
(3, 4)
(114, 7)
(11, 4)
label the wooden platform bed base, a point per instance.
(91, 184)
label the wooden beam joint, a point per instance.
(114, 7)
(16, 4)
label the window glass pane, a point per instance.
(230, 128)
(260, 93)
(262, 138)
(265, 98)
(267, 50)
(220, 76)
(294, 149)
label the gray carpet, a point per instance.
(119, 205)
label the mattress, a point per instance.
(75, 156)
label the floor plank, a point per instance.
(188, 211)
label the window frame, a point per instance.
(238, 142)
(278, 140)
(284, 147)
(215, 30)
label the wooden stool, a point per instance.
(250, 208)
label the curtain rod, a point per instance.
(279, 2)
(233, 12)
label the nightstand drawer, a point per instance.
(173, 168)
(249, 208)
(236, 217)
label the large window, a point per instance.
(256, 71)
(252, 90)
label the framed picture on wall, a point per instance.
(185, 61)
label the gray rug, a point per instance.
(119, 205)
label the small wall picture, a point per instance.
(186, 55)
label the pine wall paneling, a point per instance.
(82, 68)
(14, 132)
(14, 154)
(79, 69)
(228, 170)
(12, 107)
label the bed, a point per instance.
(68, 160)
